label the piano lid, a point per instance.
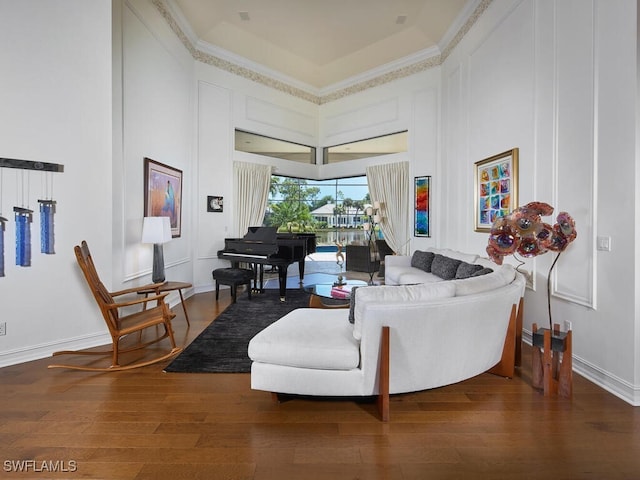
(261, 234)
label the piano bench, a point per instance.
(233, 277)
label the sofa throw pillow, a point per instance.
(422, 260)
(444, 267)
(352, 305)
(484, 283)
(482, 271)
(466, 270)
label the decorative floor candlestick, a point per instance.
(2, 227)
(23, 236)
(47, 209)
(373, 217)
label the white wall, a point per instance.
(156, 121)
(226, 102)
(96, 86)
(410, 103)
(555, 79)
(55, 92)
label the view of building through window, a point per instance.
(333, 209)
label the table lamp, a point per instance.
(156, 230)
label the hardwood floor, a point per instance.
(146, 424)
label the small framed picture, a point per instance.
(496, 188)
(214, 204)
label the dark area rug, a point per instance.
(222, 346)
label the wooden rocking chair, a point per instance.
(121, 324)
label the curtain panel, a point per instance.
(389, 184)
(251, 183)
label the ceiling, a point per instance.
(320, 42)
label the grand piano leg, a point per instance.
(258, 280)
(261, 269)
(301, 269)
(282, 281)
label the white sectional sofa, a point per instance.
(441, 332)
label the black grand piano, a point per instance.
(265, 246)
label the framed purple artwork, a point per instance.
(163, 193)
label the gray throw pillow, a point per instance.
(352, 305)
(422, 260)
(445, 267)
(466, 270)
(483, 271)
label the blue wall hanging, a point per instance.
(23, 236)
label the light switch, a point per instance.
(604, 244)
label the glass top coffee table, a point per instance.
(340, 296)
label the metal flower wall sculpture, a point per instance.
(523, 232)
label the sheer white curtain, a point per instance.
(389, 184)
(251, 184)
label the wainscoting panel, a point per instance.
(574, 162)
(368, 116)
(215, 168)
(282, 118)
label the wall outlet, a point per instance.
(567, 326)
(603, 244)
(3, 328)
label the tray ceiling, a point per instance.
(321, 43)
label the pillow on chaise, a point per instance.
(445, 267)
(422, 260)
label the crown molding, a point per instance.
(176, 14)
(256, 67)
(237, 65)
(383, 71)
(463, 22)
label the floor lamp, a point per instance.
(157, 230)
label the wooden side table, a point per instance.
(548, 372)
(169, 287)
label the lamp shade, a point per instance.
(156, 230)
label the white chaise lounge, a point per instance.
(439, 333)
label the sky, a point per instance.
(355, 187)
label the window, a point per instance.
(372, 147)
(332, 208)
(272, 147)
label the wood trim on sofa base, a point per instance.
(383, 376)
(519, 333)
(506, 366)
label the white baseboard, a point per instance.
(605, 380)
(44, 350)
(207, 288)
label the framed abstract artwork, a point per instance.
(496, 188)
(422, 191)
(163, 193)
